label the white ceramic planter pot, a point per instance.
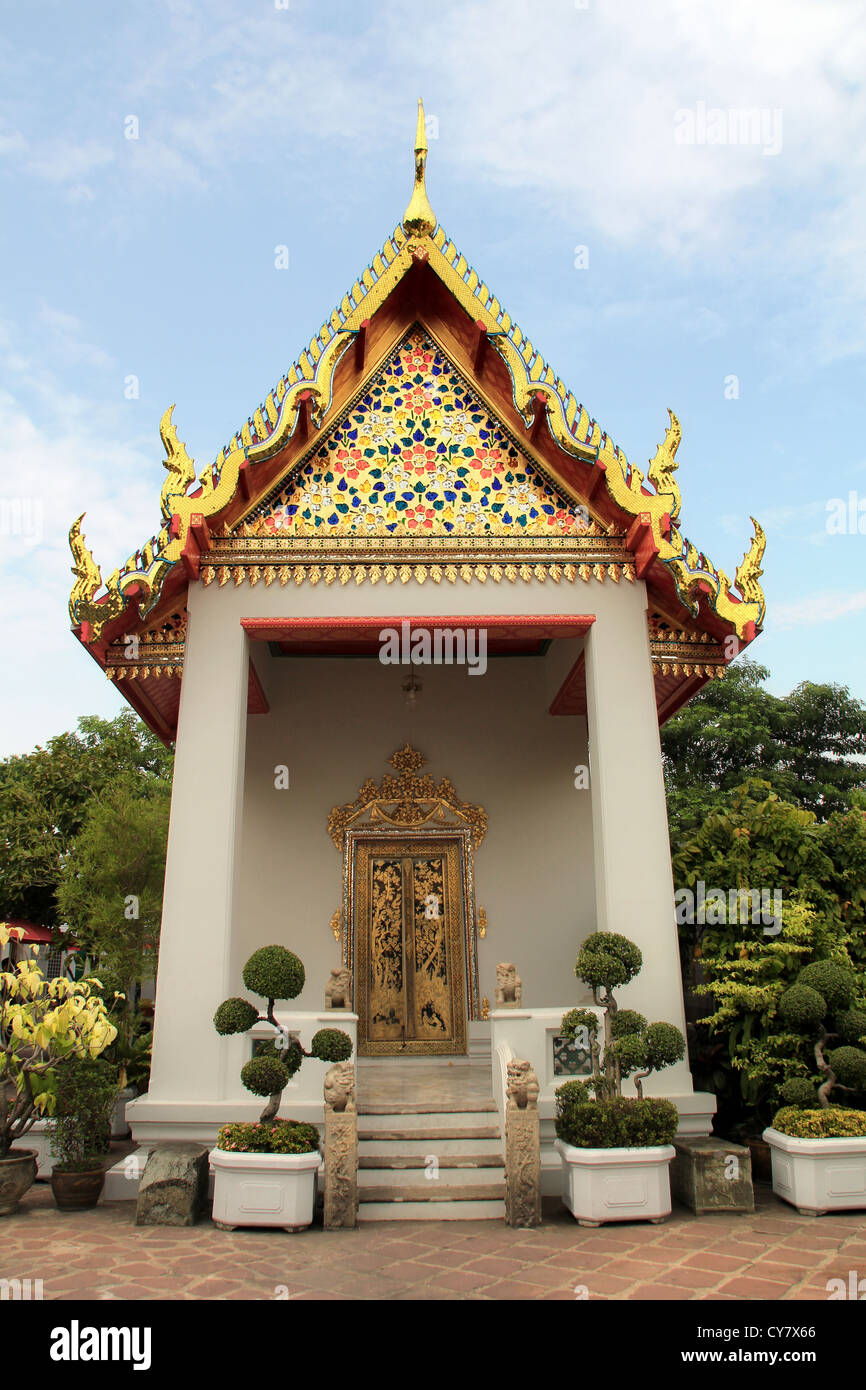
(818, 1175)
(264, 1189)
(616, 1184)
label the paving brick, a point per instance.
(496, 1265)
(692, 1278)
(709, 1260)
(462, 1280)
(512, 1289)
(747, 1286)
(669, 1292)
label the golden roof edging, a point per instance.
(531, 376)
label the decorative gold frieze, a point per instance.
(683, 654)
(408, 799)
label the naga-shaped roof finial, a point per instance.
(419, 219)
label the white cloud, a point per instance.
(817, 608)
(68, 162)
(66, 332)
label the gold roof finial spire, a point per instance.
(419, 219)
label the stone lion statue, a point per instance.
(509, 986)
(522, 1086)
(340, 1087)
(338, 990)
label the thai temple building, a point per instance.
(413, 633)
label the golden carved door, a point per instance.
(409, 923)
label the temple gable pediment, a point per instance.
(418, 454)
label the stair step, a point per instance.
(426, 1107)
(430, 1135)
(387, 1117)
(421, 1193)
(432, 1211)
(461, 1160)
(445, 1180)
(442, 1148)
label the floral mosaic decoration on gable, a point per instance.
(419, 451)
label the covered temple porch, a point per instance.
(557, 743)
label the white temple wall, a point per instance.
(335, 722)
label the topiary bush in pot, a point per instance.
(593, 1115)
(275, 973)
(823, 1006)
(818, 1147)
(283, 1154)
(628, 1045)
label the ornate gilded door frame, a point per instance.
(409, 931)
(416, 806)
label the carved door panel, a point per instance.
(409, 924)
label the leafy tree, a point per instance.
(42, 1024)
(755, 840)
(746, 976)
(111, 883)
(45, 797)
(809, 746)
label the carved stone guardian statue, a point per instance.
(341, 1148)
(338, 990)
(522, 1085)
(509, 986)
(522, 1146)
(340, 1088)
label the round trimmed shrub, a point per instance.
(570, 1095)
(631, 1052)
(802, 1008)
(573, 1093)
(274, 972)
(799, 1091)
(264, 1075)
(235, 1016)
(626, 1022)
(606, 960)
(621, 1123)
(575, 1019)
(664, 1045)
(826, 1122)
(330, 1045)
(289, 1057)
(851, 1025)
(849, 1064)
(835, 981)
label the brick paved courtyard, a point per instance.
(101, 1254)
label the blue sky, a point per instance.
(716, 249)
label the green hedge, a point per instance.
(284, 1137)
(829, 1122)
(621, 1123)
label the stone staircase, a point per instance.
(437, 1160)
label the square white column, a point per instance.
(633, 879)
(195, 953)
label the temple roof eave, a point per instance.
(305, 401)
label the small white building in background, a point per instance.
(420, 476)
